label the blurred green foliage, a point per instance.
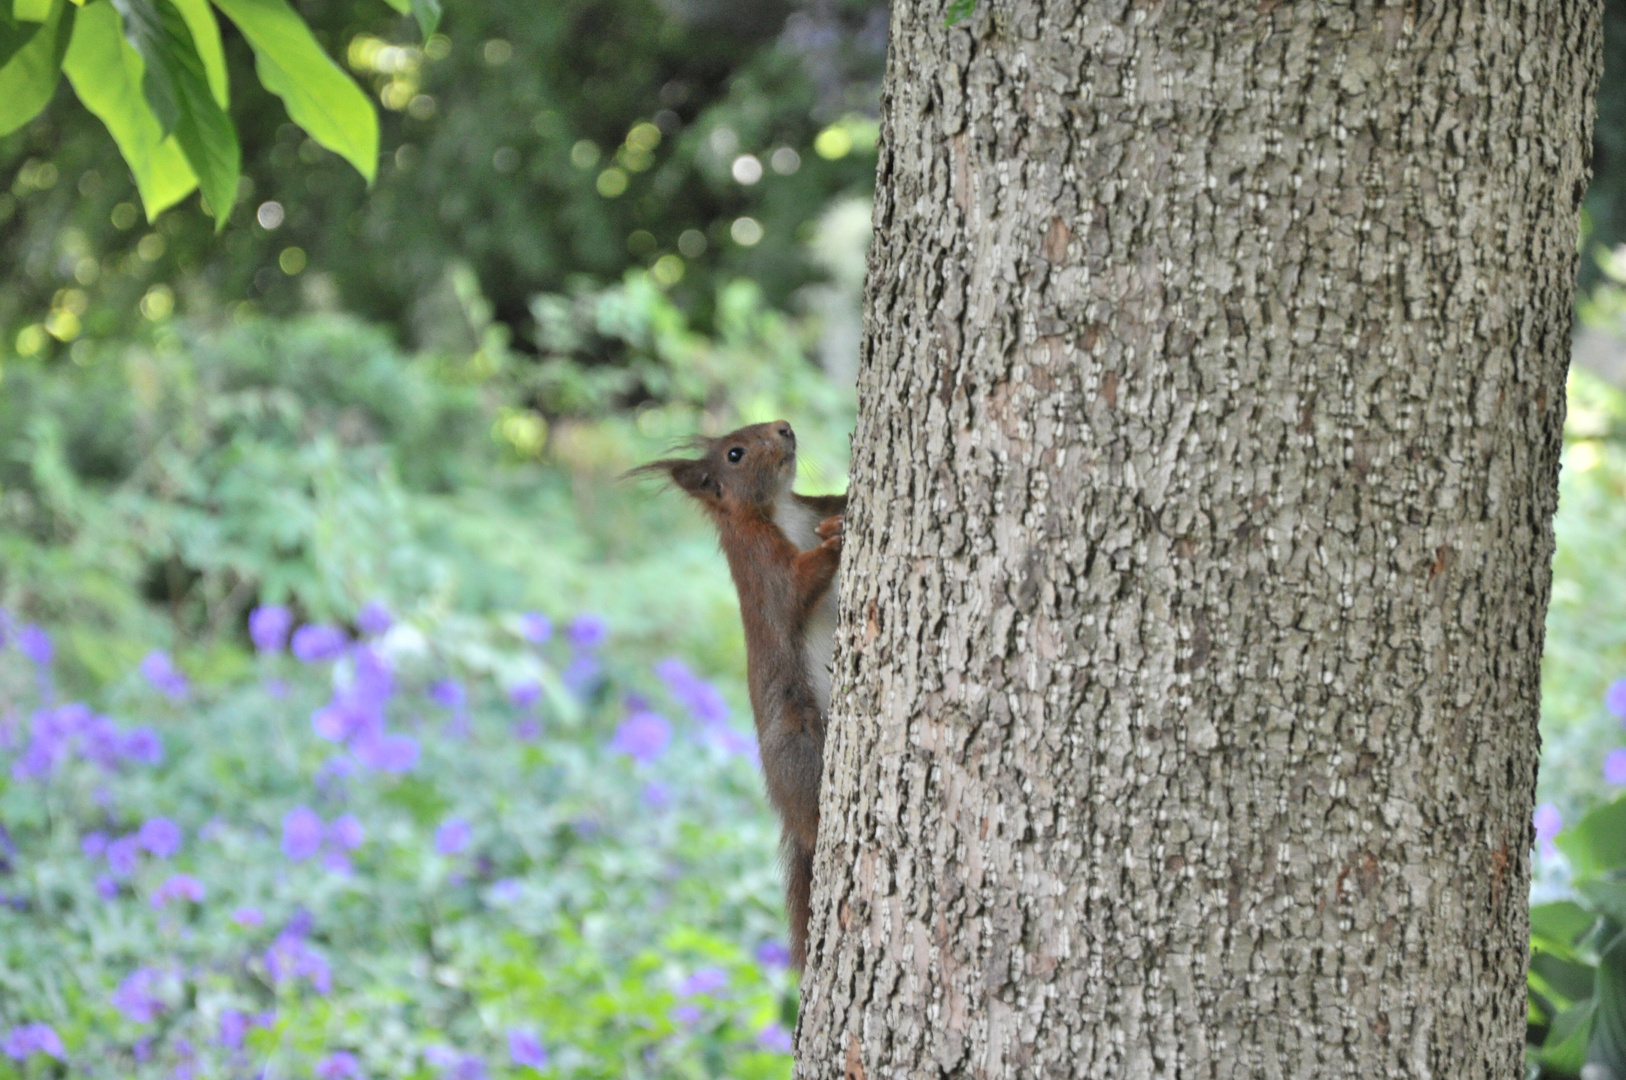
(536, 150)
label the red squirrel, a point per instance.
(784, 551)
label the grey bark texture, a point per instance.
(1197, 557)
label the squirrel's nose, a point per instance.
(785, 432)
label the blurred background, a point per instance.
(354, 719)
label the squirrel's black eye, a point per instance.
(735, 454)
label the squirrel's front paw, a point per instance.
(832, 528)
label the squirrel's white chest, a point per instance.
(797, 522)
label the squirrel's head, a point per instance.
(750, 467)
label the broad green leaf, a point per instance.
(1564, 1050)
(1570, 978)
(1607, 896)
(1557, 926)
(35, 11)
(28, 79)
(427, 12)
(1608, 1047)
(200, 19)
(106, 74)
(13, 35)
(318, 96)
(144, 29)
(176, 85)
(1597, 843)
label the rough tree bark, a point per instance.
(1198, 553)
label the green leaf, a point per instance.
(1597, 843)
(403, 6)
(1564, 1051)
(427, 12)
(318, 96)
(13, 35)
(200, 19)
(1559, 925)
(1608, 1047)
(959, 11)
(28, 78)
(35, 11)
(176, 85)
(1607, 896)
(106, 74)
(1571, 978)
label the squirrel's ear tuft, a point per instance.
(695, 478)
(691, 476)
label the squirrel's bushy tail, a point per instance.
(798, 895)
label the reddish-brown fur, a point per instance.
(779, 587)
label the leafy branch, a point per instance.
(154, 73)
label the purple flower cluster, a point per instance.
(339, 1065)
(1548, 822)
(268, 627)
(303, 835)
(27, 1039)
(72, 730)
(775, 1038)
(137, 996)
(36, 644)
(235, 1024)
(452, 1065)
(526, 1050)
(453, 836)
(374, 619)
(290, 958)
(535, 627)
(178, 887)
(355, 715)
(160, 671)
(695, 694)
(159, 837)
(707, 981)
(643, 736)
(316, 643)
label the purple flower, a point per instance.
(453, 1065)
(290, 958)
(526, 1049)
(657, 796)
(642, 736)
(707, 980)
(374, 618)
(535, 627)
(347, 831)
(687, 1014)
(160, 836)
(528, 729)
(505, 891)
(160, 672)
(773, 954)
(695, 694)
(448, 693)
(774, 1038)
(27, 1039)
(301, 833)
(525, 694)
(178, 887)
(35, 644)
(387, 753)
(337, 862)
(582, 675)
(143, 746)
(234, 1025)
(317, 642)
(268, 625)
(1614, 767)
(248, 916)
(1548, 822)
(124, 856)
(1615, 698)
(106, 887)
(93, 843)
(339, 1065)
(588, 631)
(452, 836)
(136, 997)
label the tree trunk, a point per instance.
(1198, 550)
